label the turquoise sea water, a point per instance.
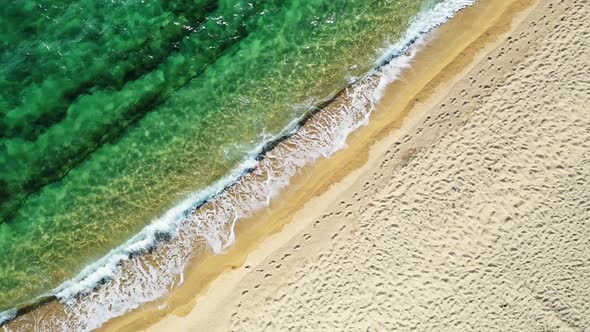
(112, 112)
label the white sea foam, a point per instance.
(133, 279)
(6, 316)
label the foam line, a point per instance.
(125, 279)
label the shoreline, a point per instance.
(145, 241)
(52, 306)
(319, 182)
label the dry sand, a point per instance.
(474, 215)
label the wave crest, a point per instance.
(151, 263)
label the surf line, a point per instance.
(387, 67)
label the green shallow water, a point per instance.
(112, 112)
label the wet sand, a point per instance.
(461, 206)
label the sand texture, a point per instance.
(474, 216)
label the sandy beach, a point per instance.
(462, 205)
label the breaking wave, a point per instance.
(149, 264)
